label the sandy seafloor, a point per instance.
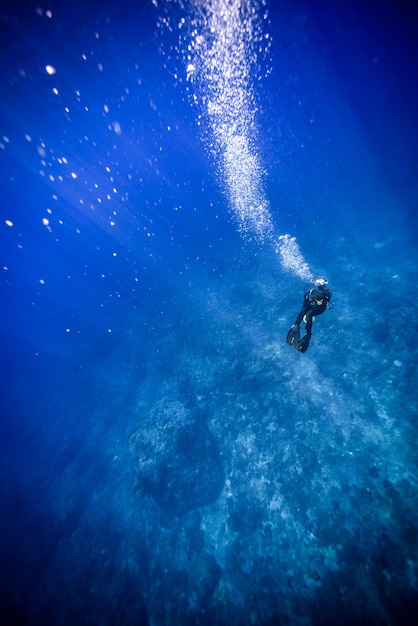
(166, 458)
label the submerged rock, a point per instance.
(176, 458)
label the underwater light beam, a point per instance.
(221, 40)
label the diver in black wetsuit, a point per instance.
(315, 302)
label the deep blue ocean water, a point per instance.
(166, 458)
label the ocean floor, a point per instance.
(194, 469)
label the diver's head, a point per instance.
(321, 282)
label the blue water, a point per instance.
(172, 179)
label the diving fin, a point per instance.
(303, 344)
(293, 336)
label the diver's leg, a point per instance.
(309, 323)
(302, 313)
(303, 344)
(293, 335)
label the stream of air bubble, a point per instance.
(221, 41)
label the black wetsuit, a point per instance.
(315, 302)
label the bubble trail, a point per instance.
(223, 39)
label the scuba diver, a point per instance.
(315, 302)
